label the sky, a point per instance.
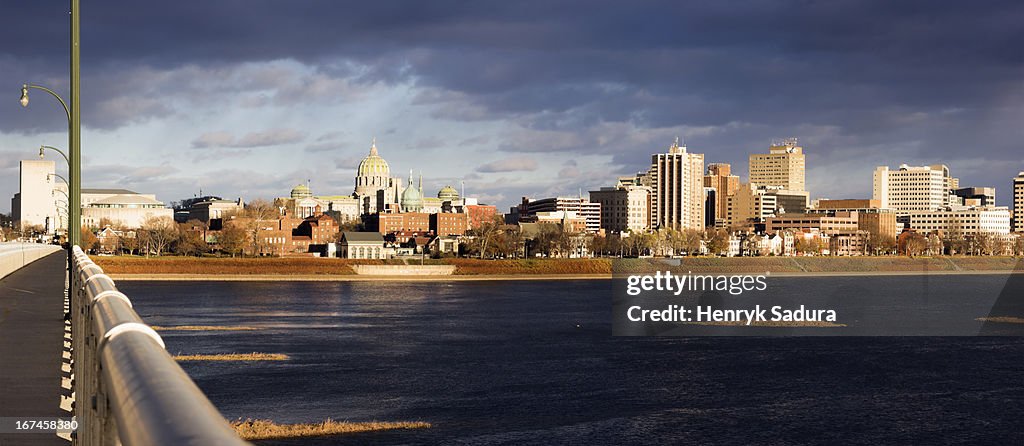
(535, 98)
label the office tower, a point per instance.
(913, 188)
(677, 188)
(783, 166)
(720, 178)
(1018, 203)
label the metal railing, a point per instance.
(128, 389)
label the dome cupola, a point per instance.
(448, 193)
(301, 191)
(373, 164)
(412, 197)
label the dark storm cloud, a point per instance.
(938, 76)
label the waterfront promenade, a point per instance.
(31, 331)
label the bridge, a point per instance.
(83, 368)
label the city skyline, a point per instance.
(539, 103)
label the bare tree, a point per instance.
(954, 239)
(691, 241)
(914, 244)
(231, 239)
(159, 232)
(487, 231)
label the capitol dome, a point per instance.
(373, 164)
(301, 191)
(448, 193)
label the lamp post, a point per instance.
(61, 152)
(74, 128)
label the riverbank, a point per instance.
(335, 270)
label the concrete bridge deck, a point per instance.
(32, 336)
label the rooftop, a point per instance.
(109, 191)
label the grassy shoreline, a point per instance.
(315, 269)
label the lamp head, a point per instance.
(24, 95)
(40, 153)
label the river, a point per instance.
(533, 362)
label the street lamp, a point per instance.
(61, 152)
(74, 207)
(74, 126)
(58, 176)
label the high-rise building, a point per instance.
(783, 166)
(677, 188)
(1018, 203)
(751, 204)
(625, 207)
(913, 188)
(719, 176)
(36, 204)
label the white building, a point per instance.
(121, 207)
(624, 208)
(677, 189)
(210, 209)
(1018, 203)
(969, 220)
(913, 188)
(36, 203)
(361, 245)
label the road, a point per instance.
(31, 346)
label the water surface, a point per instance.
(533, 363)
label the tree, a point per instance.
(983, 243)
(934, 244)
(691, 239)
(598, 244)
(716, 240)
(640, 243)
(231, 239)
(128, 241)
(1018, 245)
(954, 239)
(613, 244)
(487, 231)
(886, 244)
(514, 242)
(158, 234)
(88, 241)
(914, 244)
(190, 241)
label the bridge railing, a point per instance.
(128, 389)
(14, 256)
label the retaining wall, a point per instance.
(404, 270)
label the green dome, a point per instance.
(448, 193)
(301, 191)
(412, 197)
(373, 164)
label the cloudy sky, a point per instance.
(249, 98)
